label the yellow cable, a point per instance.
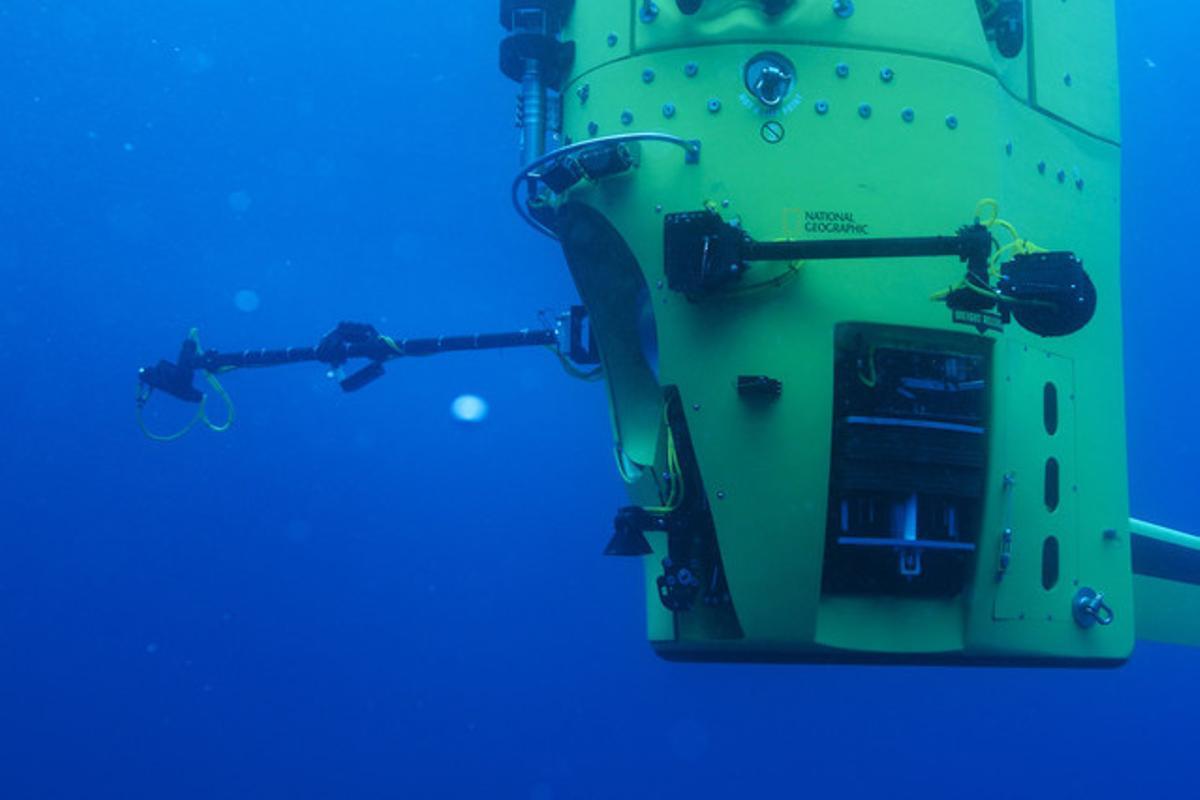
(201, 415)
(872, 378)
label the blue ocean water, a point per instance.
(359, 596)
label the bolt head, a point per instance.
(691, 69)
(612, 39)
(822, 107)
(626, 117)
(887, 74)
(952, 122)
(843, 8)
(647, 75)
(842, 70)
(864, 110)
(593, 129)
(908, 115)
(668, 110)
(714, 105)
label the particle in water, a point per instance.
(469, 408)
(246, 300)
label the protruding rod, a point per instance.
(533, 112)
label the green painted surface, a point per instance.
(766, 469)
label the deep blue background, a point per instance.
(356, 597)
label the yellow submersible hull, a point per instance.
(853, 271)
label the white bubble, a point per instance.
(240, 202)
(151, 649)
(469, 408)
(127, 147)
(246, 300)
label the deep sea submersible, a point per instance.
(850, 271)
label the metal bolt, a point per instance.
(583, 93)
(1041, 167)
(952, 122)
(714, 105)
(626, 117)
(724, 204)
(842, 70)
(1079, 184)
(864, 110)
(593, 129)
(668, 110)
(1008, 148)
(822, 107)
(908, 115)
(887, 74)
(1067, 79)
(647, 75)
(1110, 534)
(612, 39)
(691, 69)
(695, 406)
(1062, 176)
(843, 8)
(720, 495)
(649, 11)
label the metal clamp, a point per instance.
(1090, 609)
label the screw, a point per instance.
(887, 74)
(822, 107)
(952, 122)
(1041, 167)
(1079, 184)
(714, 105)
(593, 129)
(626, 117)
(772, 132)
(864, 110)
(1008, 148)
(1067, 79)
(843, 8)
(647, 75)
(843, 70)
(583, 93)
(649, 11)
(1062, 176)
(612, 39)
(691, 69)
(668, 110)
(908, 115)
